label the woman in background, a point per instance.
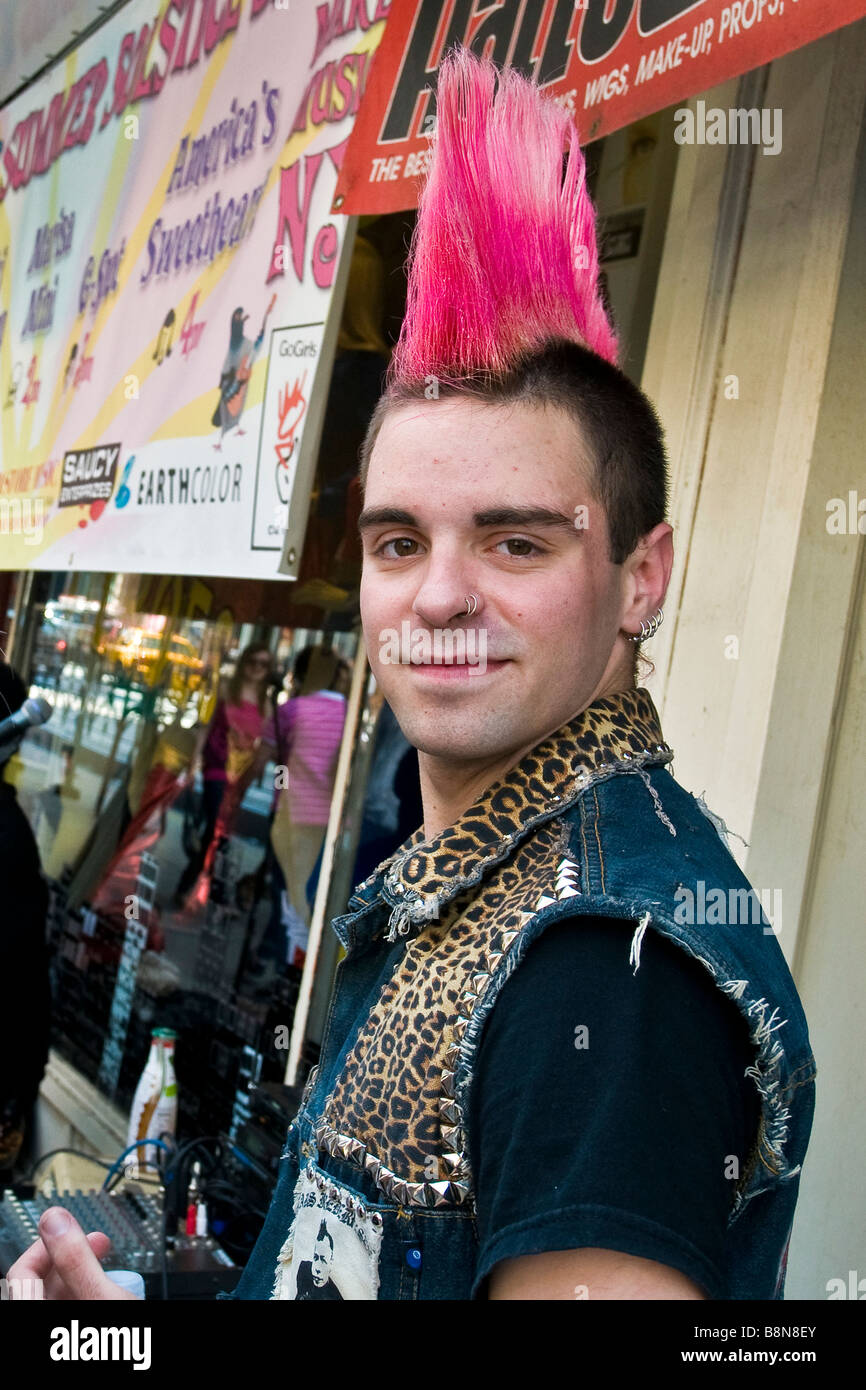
(304, 736)
(229, 756)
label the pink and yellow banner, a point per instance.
(168, 261)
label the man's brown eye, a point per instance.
(529, 547)
(391, 549)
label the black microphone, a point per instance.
(32, 712)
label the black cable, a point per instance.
(166, 1142)
(164, 1248)
(224, 1192)
(173, 1172)
(52, 1153)
(121, 1176)
(179, 1159)
(163, 1160)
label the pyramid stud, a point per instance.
(453, 1162)
(447, 1082)
(449, 1111)
(441, 1193)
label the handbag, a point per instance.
(192, 830)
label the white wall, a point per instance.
(764, 280)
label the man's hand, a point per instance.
(67, 1261)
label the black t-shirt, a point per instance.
(610, 1108)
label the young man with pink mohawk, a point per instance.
(544, 1076)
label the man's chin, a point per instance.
(455, 741)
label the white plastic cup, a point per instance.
(128, 1279)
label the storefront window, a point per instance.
(179, 796)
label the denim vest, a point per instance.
(375, 1196)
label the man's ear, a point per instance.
(647, 574)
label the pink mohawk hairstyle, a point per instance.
(504, 254)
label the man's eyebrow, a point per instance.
(524, 516)
(385, 516)
(494, 516)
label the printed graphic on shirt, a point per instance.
(332, 1250)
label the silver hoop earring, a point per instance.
(647, 629)
(471, 599)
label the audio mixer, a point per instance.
(196, 1266)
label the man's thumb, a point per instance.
(72, 1257)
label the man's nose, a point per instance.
(448, 580)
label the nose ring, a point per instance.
(471, 599)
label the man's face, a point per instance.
(320, 1268)
(468, 498)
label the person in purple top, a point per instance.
(229, 752)
(304, 738)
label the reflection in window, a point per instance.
(179, 797)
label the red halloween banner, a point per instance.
(610, 62)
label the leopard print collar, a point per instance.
(620, 733)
